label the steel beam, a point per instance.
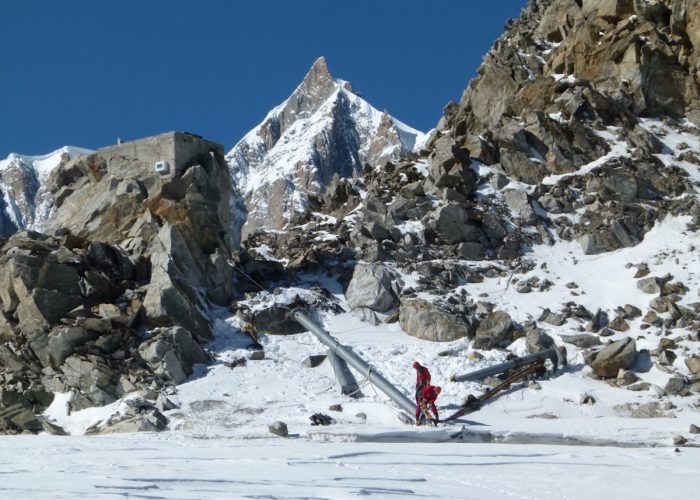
(346, 380)
(552, 353)
(356, 362)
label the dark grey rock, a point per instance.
(674, 386)
(617, 355)
(552, 318)
(279, 429)
(257, 355)
(492, 330)
(314, 360)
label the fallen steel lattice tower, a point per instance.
(531, 364)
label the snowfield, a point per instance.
(526, 443)
(177, 466)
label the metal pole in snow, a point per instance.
(346, 380)
(552, 353)
(356, 362)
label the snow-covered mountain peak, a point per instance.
(322, 130)
(24, 201)
(42, 164)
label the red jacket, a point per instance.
(422, 377)
(430, 393)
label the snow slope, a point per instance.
(545, 443)
(240, 402)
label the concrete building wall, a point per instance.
(189, 147)
(179, 149)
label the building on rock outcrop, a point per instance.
(115, 297)
(169, 153)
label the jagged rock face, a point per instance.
(321, 131)
(588, 58)
(25, 202)
(556, 105)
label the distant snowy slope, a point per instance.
(24, 202)
(323, 129)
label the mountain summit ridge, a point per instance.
(322, 130)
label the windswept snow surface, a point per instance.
(176, 466)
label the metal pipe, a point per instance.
(356, 362)
(346, 380)
(552, 353)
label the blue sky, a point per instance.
(84, 72)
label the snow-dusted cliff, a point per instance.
(322, 130)
(24, 201)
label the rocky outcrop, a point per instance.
(563, 73)
(25, 201)
(180, 223)
(131, 252)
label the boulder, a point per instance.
(619, 324)
(650, 285)
(172, 353)
(42, 308)
(275, 320)
(279, 429)
(54, 348)
(92, 377)
(537, 340)
(424, 320)
(455, 224)
(693, 364)
(552, 318)
(20, 417)
(674, 386)
(371, 287)
(519, 204)
(492, 330)
(626, 377)
(611, 359)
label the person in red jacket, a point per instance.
(428, 396)
(422, 379)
